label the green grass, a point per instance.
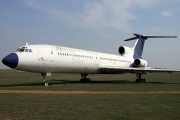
(89, 106)
(10, 79)
(159, 107)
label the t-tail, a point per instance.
(139, 44)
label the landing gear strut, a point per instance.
(44, 80)
(140, 80)
(84, 78)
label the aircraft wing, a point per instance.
(116, 70)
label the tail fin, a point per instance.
(139, 44)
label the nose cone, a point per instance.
(11, 60)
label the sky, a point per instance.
(96, 25)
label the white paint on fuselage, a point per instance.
(57, 59)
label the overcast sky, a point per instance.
(97, 25)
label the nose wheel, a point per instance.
(44, 83)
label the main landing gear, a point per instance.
(140, 80)
(84, 78)
(44, 83)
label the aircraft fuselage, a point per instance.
(56, 59)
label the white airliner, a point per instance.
(47, 59)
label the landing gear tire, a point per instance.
(46, 84)
(84, 78)
(140, 80)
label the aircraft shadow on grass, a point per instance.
(20, 85)
(103, 82)
(91, 82)
(56, 82)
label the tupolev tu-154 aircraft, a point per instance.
(47, 59)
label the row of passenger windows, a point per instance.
(76, 55)
(113, 59)
(23, 49)
(90, 57)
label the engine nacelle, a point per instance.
(140, 63)
(123, 50)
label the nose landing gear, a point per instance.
(44, 82)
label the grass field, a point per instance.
(106, 97)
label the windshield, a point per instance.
(23, 49)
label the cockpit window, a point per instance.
(17, 50)
(23, 49)
(30, 50)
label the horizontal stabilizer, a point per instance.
(148, 36)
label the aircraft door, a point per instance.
(96, 58)
(51, 54)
